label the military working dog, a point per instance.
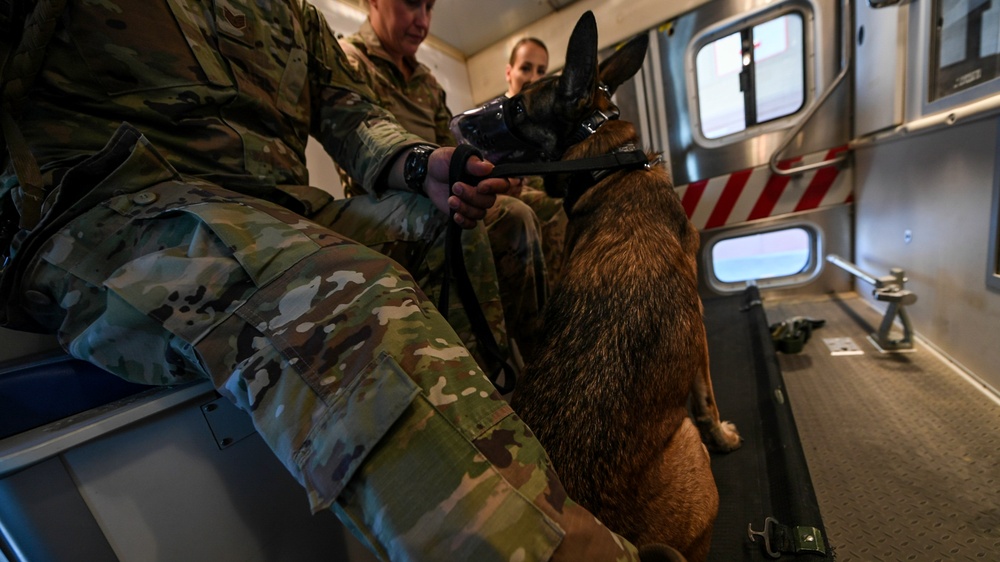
(624, 345)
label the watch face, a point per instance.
(415, 168)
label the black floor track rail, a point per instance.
(768, 475)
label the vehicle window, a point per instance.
(966, 45)
(752, 76)
(768, 255)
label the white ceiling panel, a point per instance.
(472, 25)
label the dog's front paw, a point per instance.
(722, 438)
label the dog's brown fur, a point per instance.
(624, 344)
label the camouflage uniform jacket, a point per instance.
(418, 103)
(228, 90)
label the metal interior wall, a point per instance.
(830, 126)
(924, 204)
(641, 103)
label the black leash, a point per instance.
(454, 264)
(626, 159)
(455, 260)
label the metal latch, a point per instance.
(780, 539)
(228, 423)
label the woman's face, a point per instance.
(401, 25)
(530, 63)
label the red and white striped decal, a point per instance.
(756, 193)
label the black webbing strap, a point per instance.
(789, 336)
(634, 158)
(454, 263)
(455, 260)
(781, 539)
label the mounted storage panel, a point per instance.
(880, 53)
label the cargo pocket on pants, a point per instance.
(427, 492)
(358, 417)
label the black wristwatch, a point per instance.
(415, 167)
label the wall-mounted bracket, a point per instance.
(889, 289)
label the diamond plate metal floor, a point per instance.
(903, 451)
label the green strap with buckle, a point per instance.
(781, 539)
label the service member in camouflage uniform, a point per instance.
(184, 252)
(529, 61)
(383, 53)
(553, 221)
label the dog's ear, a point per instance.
(579, 77)
(625, 62)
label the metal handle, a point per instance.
(853, 269)
(876, 4)
(846, 55)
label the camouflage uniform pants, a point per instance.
(351, 376)
(553, 220)
(515, 238)
(409, 229)
(511, 285)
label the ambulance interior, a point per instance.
(848, 200)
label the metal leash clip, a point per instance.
(765, 534)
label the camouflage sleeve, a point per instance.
(441, 121)
(360, 66)
(361, 137)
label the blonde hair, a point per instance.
(522, 41)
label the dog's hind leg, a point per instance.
(680, 502)
(718, 435)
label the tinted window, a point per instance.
(779, 253)
(752, 76)
(966, 44)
